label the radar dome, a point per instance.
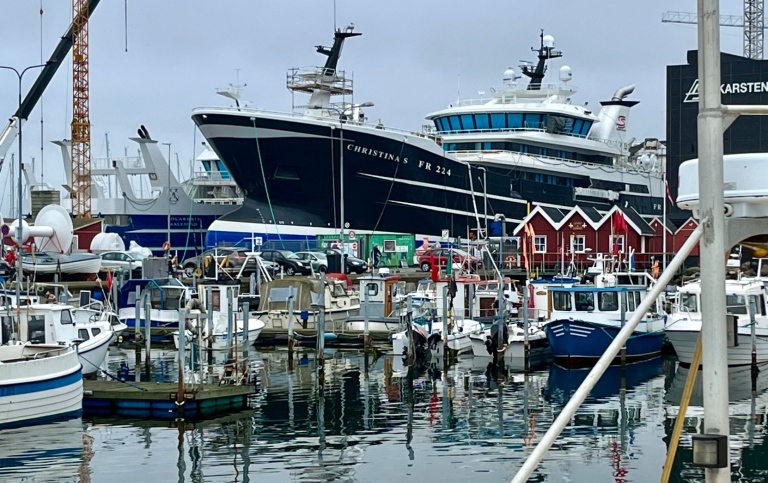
(566, 74)
(509, 76)
(549, 41)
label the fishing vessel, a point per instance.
(480, 158)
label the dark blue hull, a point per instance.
(392, 182)
(579, 343)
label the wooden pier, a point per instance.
(158, 400)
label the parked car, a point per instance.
(130, 262)
(317, 260)
(235, 258)
(288, 260)
(354, 264)
(440, 257)
(6, 271)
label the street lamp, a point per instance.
(169, 195)
(342, 113)
(20, 75)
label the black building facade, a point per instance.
(744, 81)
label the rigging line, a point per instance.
(264, 178)
(125, 25)
(474, 202)
(391, 185)
(191, 201)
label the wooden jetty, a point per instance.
(158, 400)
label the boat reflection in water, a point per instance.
(748, 396)
(45, 452)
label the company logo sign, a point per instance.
(621, 123)
(733, 88)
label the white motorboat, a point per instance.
(52, 263)
(537, 342)
(39, 382)
(458, 337)
(218, 297)
(684, 324)
(54, 324)
(379, 295)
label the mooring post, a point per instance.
(291, 318)
(367, 319)
(137, 329)
(147, 335)
(526, 330)
(500, 324)
(445, 324)
(182, 362)
(623, 305)
(246, 328)
(409, 332)
(753, 337)
(209, 330)
(230, 321)
(320, 322)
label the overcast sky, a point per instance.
(407, 62)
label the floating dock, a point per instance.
(158, 400)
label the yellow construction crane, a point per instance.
(81, 124)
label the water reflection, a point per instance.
(381, 421)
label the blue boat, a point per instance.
(165, 297)
(586, 319)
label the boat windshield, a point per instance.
(689, 302)
(585, 301)
(735, 304)
(609, 301)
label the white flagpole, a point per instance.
(664, 218)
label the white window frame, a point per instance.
(543, 240)
(617, 239)
(574, 242)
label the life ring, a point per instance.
(166, 246)
(509, 261)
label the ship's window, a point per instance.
(578, 124)
(442, 124)
(638, 188)
(514, 120)
(467, 122)
(83, 334)
(481, 121)
(631, 301)
(534, 121)
(689, 302)
(498, 121)
(222, 169)
(586, 128)
(287, 172)
(585, 301)
(36, 329)
(561, 301)
(66, 317)
(638, 298)
(486, 146)
(207, 165)
(455, 124)
(95, 331)
(735, 304)
(609, 301)
(372, 289)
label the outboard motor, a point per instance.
(492, 343)
(434, 341)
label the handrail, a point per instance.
(537, 455)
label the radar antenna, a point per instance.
(546, 51)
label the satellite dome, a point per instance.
(549, 41)
(509, 76)
(566, 73)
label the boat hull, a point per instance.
(39, 389)
(400, 182)
(89, 266)
(92, 352)
(684, 343)
(580, 343)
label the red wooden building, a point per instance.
(559, 236)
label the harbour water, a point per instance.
(470, 423)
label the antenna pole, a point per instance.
(334, 15)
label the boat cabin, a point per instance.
(164, 296)
(607, 305)
(737, 297)
(47, 324)
(306, 292)
(487, 292)
(377, 293)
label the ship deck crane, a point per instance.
(11, 130)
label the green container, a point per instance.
(397, 249)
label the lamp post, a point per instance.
(169, 194)
(20, 75)
(342, 112)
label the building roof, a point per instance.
(553, 213)
(634, 216)
(592, 213)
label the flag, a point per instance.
(669, 193)
(434, 273)
(619, 222)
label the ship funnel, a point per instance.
(613, 117)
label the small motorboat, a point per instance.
(80, 264)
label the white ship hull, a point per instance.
(93, 352)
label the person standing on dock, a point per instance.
(376, 256)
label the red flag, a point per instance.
(669, 193)
(110, 280)
(434, 274)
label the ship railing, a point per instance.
(307, 79)
(531, 127)
(464, 154)
(520, 94)
(331, 119)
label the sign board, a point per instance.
(446, 234)
(257, 241)
(352, 235)
(401, 249)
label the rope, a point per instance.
(391, 185)
(264, 177)
(189, 215)
(103, 371)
